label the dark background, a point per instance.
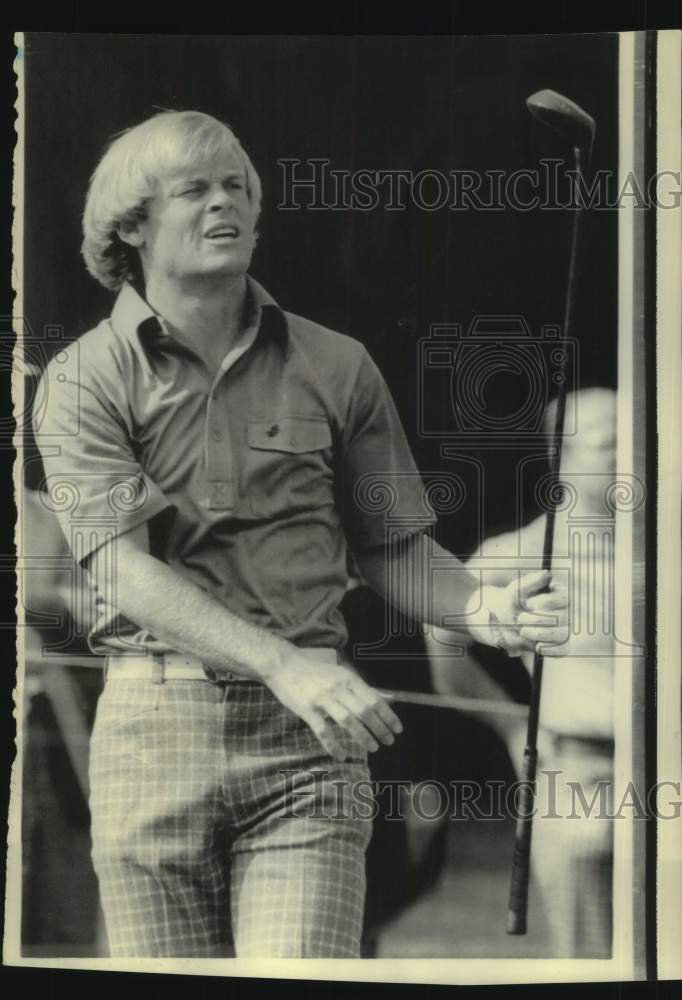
(439, 103)
(377, 103)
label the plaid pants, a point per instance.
(217, 817)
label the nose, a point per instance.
(219, 198)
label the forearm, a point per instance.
(422, 580)
(324, 695)
(430, 585)
(177, 611)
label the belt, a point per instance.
(160, 667)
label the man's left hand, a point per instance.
(544, 621)
(530, 614)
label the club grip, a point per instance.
(517, 913)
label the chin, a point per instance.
(229, 263)
(225, 269)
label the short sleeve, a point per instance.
(382, 496)
(93, 483)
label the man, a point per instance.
(572, 852)
(216, 474)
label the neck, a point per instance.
(206, 314)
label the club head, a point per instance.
(563, 116)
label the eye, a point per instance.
(189, 190)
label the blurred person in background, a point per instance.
(571, 858)
(60, 906)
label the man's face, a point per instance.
(200, 223)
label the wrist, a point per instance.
(280, 659)
(484, 615)
(266, 660)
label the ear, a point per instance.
(129, 232)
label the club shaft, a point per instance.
(517, 916)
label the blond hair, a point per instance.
(126, 178)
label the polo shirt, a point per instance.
(253, 480)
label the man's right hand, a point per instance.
(174, 609)
(326, 693)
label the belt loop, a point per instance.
(213, 677)
(158, 663)
(105, 671)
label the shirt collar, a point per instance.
(271, 315)
(134, 317)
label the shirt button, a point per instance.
(217, 435)
(272, 431)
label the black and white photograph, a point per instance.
(346, 419)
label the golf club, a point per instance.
(578, 129)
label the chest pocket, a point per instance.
(290, 465)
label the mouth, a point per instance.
(222, 233)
